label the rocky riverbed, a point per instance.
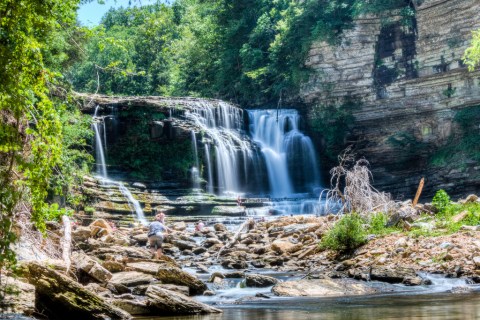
(113, 276)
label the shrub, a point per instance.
(346, 235)
(89, 210)
(441, 200)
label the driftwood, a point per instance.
(235, 237)
(66, 241)
(419, 192)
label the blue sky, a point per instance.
(90, 14)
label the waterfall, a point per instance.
(209, 168)
(233, 152)
(99, 154)
(195, 149)
(102, 167)
(289, 154)
(132, 202)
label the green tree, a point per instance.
(30, 127)
(472, 54)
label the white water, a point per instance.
(99, 154)
(289, 154)
(209, 168)
(233, 153)
(102, 167)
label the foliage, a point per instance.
(250, 51)
(30, 127)
(144, 157)
(346, 235)
(471, 56)
(441, 200)
(466, 144)
(377, 224)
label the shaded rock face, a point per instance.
(60, 297)
(409, 83)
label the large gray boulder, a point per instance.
(166, 302)
(19, 297)
(60, 297)
(260, 281)
(131, 278)
(173, 275)
(321, 288)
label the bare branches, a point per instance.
(351, 189)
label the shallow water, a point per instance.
(404, 306)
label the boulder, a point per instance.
(113, 266)
(60, 297)
(141, 238)
(184, 245)
(219, 227)
(321, 288)
(393, 275)
(91, 267)
(145, 267)
(170, 302)
(134, 307)
(179, 226)
(19, 296)
(81, 234)
(131, 252)
(131, 278)
(260, 281)
(285, 246)
(173, 275)
(102, 223)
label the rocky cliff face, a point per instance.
(408, 77)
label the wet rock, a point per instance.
(199, 250)
(60, 297)
(321, 288)
(234, 274)
(118, 288)
(228, 210)
(173, 275)
(134, 307)
(184, 245)
(139, 185)
(164, 302)
(217, 275)
(179, 226)
(258, 264)
(209, 293)
(131, 278)
(19, 297)
(211, 241)
(260, 281)
(219, 227)
(261, 295)
(392, 275)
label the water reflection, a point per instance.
(437, 306)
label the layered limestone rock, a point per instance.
(410, 81)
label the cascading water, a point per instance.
(209, 168)
(289, 154)
(98, 122)
(233, 153)
(102, 167)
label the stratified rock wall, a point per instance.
(410, 80)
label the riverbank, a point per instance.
(112, 273)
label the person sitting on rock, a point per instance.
(156, 235)
(199, 226)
